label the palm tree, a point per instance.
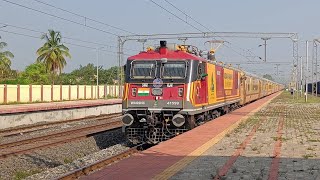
(5, 59)
(53, 53)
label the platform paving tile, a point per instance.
(299, 154)
(158, 158)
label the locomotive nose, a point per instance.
(127, 119)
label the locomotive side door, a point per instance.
(202, 86)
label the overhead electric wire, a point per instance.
(185, 14)
(175, 15)
(207, 29)
(58, 17)
(35, 37)
(194, 26)
(85, 17)
(65, 37)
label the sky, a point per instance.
(144, 17)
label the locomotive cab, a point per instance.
(169, 91)
(155, 91)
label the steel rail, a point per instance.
(37, 127)
(56, 138)
(99, 164)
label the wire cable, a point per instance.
(200, 25)
(175, 15)
(58, 17)
(65, 37)
(85, 17)
(35, 37)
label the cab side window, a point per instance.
(201, 69)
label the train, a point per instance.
(314, 88)
(171, 89)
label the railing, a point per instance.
(47, 93)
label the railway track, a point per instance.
(55, 138)
(38, 127)
(100, 164)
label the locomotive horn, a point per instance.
(163, 43)
(178, 120)
(127, 119)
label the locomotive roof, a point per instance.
(178, 54)
(171, 55)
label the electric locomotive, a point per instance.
(170, 90)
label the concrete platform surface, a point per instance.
(21, 108)
(168, 158)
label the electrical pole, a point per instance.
(143, 41)
(183, 40)
(307, 56)
(277, 69)
(97, 88)
(265, 48)
(301, 73)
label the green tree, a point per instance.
(34, 74)
(53, 53)
(5, 60)
(268, 76)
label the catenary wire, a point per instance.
(196, 27)
(58, 17)
(65, 37)
(82, 16)
(35, 37)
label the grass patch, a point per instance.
(23, 174)
(313, 140)
(310, 149)
(67, 160)
(279, 138)
(307, 156)
(288, 98)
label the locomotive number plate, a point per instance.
(174, 103)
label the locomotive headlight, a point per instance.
(134, 91)
(178, 120)
(127, 119)
(180, 92)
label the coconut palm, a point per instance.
(53, 53)
(5, 59)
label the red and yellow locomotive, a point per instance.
(168, 92)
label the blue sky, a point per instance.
(143, 17)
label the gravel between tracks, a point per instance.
(52, 162)
(50, 129)
(60, 170)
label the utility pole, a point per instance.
(277, 69)
(143, 41)
(301, 76)
(307, 57)
(265, 48)
(183, 40)
(97, 88)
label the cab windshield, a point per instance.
(143, 70)
(174, 70)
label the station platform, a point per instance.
(168, 159)
(21, 108)
(28, 114)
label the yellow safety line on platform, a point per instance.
(172, 170)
